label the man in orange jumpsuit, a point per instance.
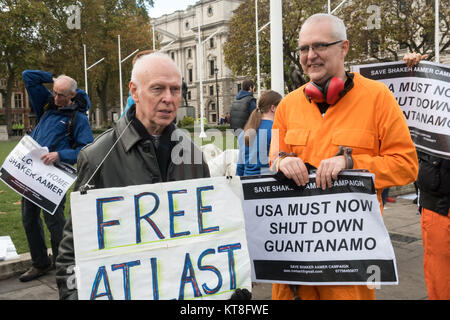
(358, 125)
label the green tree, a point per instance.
(21, 42)
(377, 31)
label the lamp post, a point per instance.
(216, 71)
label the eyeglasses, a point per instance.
(60, 95)
(317, 47)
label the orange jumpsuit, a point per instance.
(367, 119)
(436, 253)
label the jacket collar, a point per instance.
(131, 136)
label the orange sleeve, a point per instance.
(397, 162)
(277, 143)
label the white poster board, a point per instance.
(174, 240)
(306, 235)
(423, 93)
(24, 172)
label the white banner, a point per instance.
(44, 185)
(306, 235)
(423, 93)
(174, 240)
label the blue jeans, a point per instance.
(32, 223)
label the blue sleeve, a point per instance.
(82, 136)
(252, 105)
(241, 157)
(37, 92)
(130, 102)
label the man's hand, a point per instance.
(328, 170)
(411, 59)
(294, 168)
(50, 158)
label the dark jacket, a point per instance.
(434, 183)
(51, 131)
(133, 161)
(241, 108)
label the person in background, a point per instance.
(434, 205)
(254, 141)
(339, 120)
(55, 111)
(243, 105)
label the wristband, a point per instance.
(347, 153)
(281, 156)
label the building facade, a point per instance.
(177, 34)
(21, 112)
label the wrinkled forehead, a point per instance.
(317, 30)
(159, 69)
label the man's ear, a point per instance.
(345, 47)
(73, 95)
(133, 91)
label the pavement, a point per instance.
(401, 220)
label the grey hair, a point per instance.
(72, 82)
(139, 63)
(339, 31)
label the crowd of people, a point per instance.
(338, 120)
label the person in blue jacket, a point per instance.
(64, 128)
(254, 141)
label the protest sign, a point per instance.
(423, 93)
(44, 185)
(173, 240)
(306, 235)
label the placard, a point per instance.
(44, 185)
(423, 93)
(174, 240)
(306, 235)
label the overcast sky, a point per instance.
(168, 6)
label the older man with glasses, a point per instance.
(64, 128)
(339, 120)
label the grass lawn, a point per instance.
(10, 208)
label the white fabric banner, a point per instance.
(173, 240)
(312, 236)
(24, 172)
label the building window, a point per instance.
(172, 54)
(211, 42)
(211, 90)
(186, 25)
(3, 83)
(210, 11)
(18, 101)
(190, 76)
(213, 107)
(189, 53)
(239, 87)
(211, 68)
(189, 95)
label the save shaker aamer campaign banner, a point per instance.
(423, 93)
(24, 172)
(306, 235)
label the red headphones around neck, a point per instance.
(333, 90)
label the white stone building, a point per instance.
(181, 27)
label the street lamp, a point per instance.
(216, 71)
